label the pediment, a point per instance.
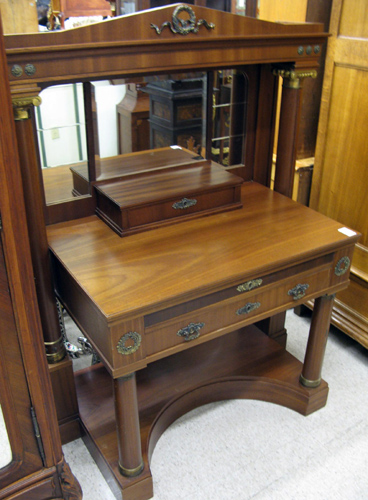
(165, 39)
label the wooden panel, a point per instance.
(287, 10)
(339, 187)
(19, 16)
(354, 19)
(343, 183)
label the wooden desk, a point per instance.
(177, 303)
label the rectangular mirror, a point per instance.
(127, 116)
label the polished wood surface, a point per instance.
(166, 197)
(339, 188)
(90, 250)
(133, 164)
(84, 61)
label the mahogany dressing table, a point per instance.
(174, 312)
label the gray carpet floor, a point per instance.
(242, 449)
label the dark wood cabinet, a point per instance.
(37, 469)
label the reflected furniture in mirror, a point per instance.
(179, 313)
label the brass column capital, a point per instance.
(22, 106)
(293, 78)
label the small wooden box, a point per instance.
(163, 197)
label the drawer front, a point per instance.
(236, 312)
(181, 206)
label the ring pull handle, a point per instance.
(191, 331)
(248, 308)
(298, 291)
(184, 203)
(249, 285)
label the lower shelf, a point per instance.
(245, 364)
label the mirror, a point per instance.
(130, 116)
(6, 452)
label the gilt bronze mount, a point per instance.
(181, 26)
(125, 349)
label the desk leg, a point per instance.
(127, 422)
(311, 373)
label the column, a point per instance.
(312, 368)
(289, 127)
(35, 204)
(127, 424)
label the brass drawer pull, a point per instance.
(184, 203)
(249, 285)
(298, 291)
(248, 308)
(191, 331)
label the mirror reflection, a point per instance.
(6, 453)
(129, 116)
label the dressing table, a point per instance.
(176, 311)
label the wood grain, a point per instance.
(146, 271)
(339, 188)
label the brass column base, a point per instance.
(309, 383)
(55, 351)
(131, 472)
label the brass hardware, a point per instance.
(298, 291)
(58, 351)
(342, 266)
(216, 151)
(21, 106)
(249, 285)
(183, 26)
(30, 69)
(17, 70)
(309, 383)
(292, 77)
(191, 331)
(37, 433)
(184, 203)
(131, 472)
(129, 349)
(248, 308)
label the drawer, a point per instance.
(235, 312)
(161, 197)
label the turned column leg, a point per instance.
(34, 200)
(289, 127)
(311, 373)
(127, 423)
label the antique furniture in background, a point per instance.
(175, 112)
(340, 186)
(64, 9)
(37, 469)
(180, 314)
(133, 124)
